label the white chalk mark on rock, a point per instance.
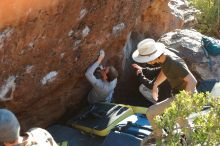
(49, 77)
(83, 12)
(85, 31)
(8, 86)
(118, 28)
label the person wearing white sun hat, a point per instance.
(148, 50)
(173, 69)
(147, 74)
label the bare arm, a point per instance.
(89, 73)
(160, 79)
(190, 83)
(101, 56)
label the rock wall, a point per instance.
(46, 46)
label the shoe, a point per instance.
(146, 92)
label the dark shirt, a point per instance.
(175, 69)
(149, 75)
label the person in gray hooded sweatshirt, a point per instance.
(104, 85)
(10, 133)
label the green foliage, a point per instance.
(205, 127)
(208, 19)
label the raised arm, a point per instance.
(90, 71)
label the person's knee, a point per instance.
(149, 114)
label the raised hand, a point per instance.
(101, 55)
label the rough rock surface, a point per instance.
(187, 44)
(46, 46)
(172, 14)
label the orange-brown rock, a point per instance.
(46, 46)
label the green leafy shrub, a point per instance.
(205, 127)
(208, 19)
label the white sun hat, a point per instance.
(148, 50)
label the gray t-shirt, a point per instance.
(102, 91)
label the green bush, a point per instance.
(206, 127)
(208, 19)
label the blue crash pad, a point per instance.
(67, 136)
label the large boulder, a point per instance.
(166, 15)
(187, 44)
(46, 46)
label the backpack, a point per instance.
(211, 45)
